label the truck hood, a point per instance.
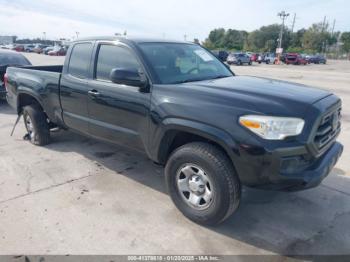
(262, 93)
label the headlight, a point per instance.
(273, 128)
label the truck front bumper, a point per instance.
(287, 169)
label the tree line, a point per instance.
(316, 39)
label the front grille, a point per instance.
(328, 129)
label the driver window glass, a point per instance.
(110, 57)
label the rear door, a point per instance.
(73, 87)
(118, 113)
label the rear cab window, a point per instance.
(80, 60)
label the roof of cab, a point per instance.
(130, 39)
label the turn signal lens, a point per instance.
(271, 127)
(249, 124)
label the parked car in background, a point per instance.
(9, 58)
(295, 59)
(29, 48)
(58, 51)
(254, 57)
(48, 49)
(18, 48)
(221, 54)
(269, 58)
(39, 48)
(318, 59)
(238, 59)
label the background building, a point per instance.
(6, 40)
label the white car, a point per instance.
(269, 58)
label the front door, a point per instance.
(118, 113)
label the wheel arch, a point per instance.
(178, 132)
(25, 98)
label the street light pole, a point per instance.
(283, 15)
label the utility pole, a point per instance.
(44, 34)
(324, 24)
(333, 27)
(185, 37)
(293, 24)
(77, 33)
(283, 15)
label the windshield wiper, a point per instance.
(189, 80)
(219, 76)
(199, 79)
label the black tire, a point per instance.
(250, 63)
(239, 62)
(225, 185)
(40, 134)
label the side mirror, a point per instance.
(131, 77)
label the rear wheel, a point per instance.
(202, 183)
(35, 121)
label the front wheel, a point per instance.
(35, 121)
(202, 183)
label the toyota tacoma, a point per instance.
(186, 110)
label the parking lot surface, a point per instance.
(81, 196)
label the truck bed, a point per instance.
(48, 68)
(42, 82)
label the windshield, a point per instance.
(179, 63)
(13, 59)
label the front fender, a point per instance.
(171, 126)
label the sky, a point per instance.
(171, 19)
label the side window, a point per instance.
(110, 57)
(79, 60)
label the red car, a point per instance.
(295, 59)
(58, 51)
(254, 57)
(19, 48)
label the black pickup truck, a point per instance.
(175, 101)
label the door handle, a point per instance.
(93, 92)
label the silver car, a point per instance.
(238, 59)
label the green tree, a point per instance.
(234, 39)
(215, 39)
(296, 39)
(345, 38)
(265, 39)
(317, 37)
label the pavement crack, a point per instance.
(334, 189)
(45, 188)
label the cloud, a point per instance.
(159, 18)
